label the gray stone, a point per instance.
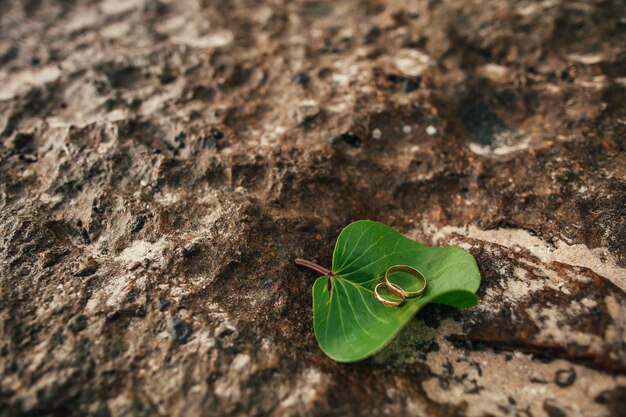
(180, 330)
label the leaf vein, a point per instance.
(352, 251)
(343, 329)
(370, 311)
(377, 260)
(356, 319)
(366, 250)
(446, 267)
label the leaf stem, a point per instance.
(317, 268)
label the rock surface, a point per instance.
(162, 163)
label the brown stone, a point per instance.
(180, 155)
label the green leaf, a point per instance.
(350, 324)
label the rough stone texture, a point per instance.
(163, 162)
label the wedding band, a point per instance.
(384, 301)
(397, 289)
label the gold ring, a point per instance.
(397, 289)
(384, 301)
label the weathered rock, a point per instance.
(565, 377)
(78, 323)
(86, 268)
(163, 163)
(137, 223)
(180, 330)
(20, 142)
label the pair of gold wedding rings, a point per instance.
(396, 289)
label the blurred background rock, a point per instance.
(163, 163)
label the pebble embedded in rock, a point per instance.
(180, 330)
(614, 399)
(301, 78)
(167, 75)
(53, 256)
(137, 223)
(20, 141)
(180, 139)
(348, 138)
(552, 410)
(408, 85)
(84, 236)
(133, 103)
(565, 377)
(306, 111)
(29, 158)
(162, 303)
(89, 267)
(78, 323)
(431, 130)
(209, 144)
(217, 134)
(98, 205)
(134, 265)
(8, 51)
(188, 250)
(372, 34)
